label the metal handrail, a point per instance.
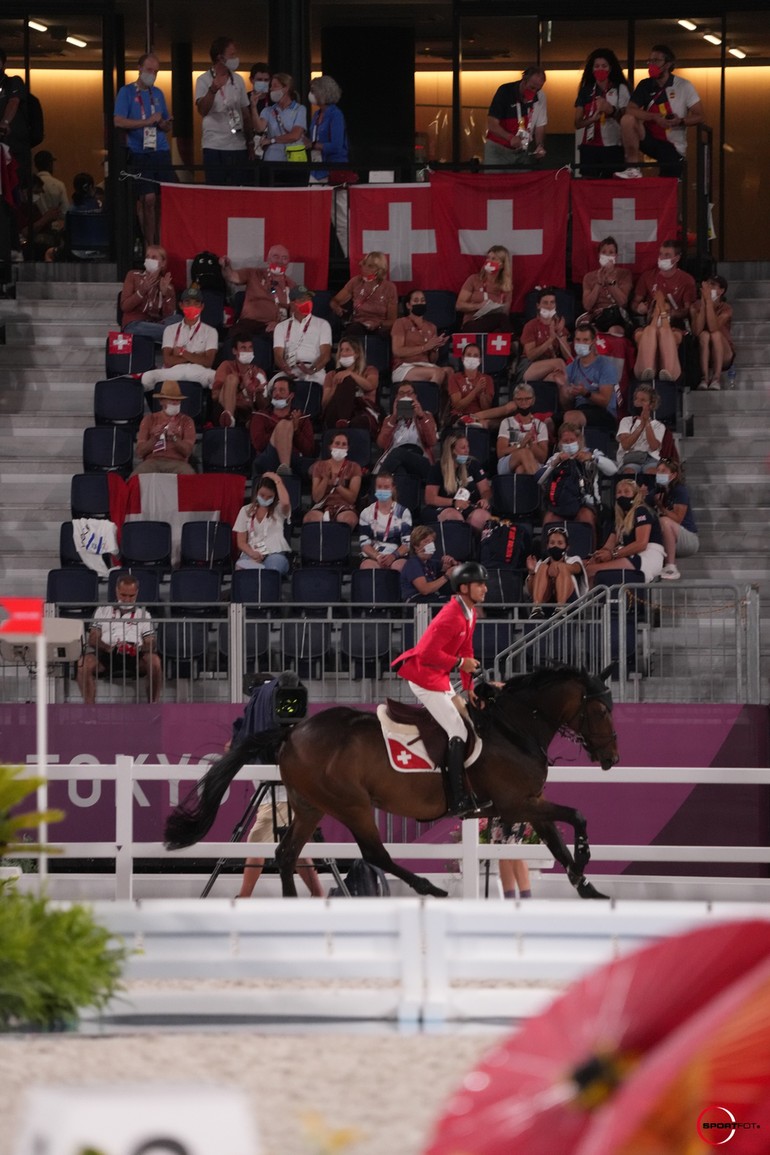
(544, 628)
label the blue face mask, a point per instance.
(383, 494)
(570, 448)
(264, 501)
(461, 458)
(662, 479)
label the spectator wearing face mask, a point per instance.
(485, 298)
(710, 320)
(662, 299)
(517, 120)
(369, 301)
(424, 577)
(266, 301)
(607, 291)
(408, 436)
(640, 436)
(636, 542)
(302, 345)
(385, 528)
(260, 528)
(222, 102)
(282, 436)
(336, 484)
(558, 577)
(415, 343)
(457, 487)
(601, 100)
(189, 346)
(259, 97)
(661, 109)
(577, 498)
(328, 136)
(470, 392)
(591, 382)
(671, 501)
(283, 122)
(522, 439)
(350, 391)
(240, 387)
(140, 110)
(545, 342)
(166, 439)
(148, 297)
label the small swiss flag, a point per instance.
(498, 344)
(405, 759)
(120, 343)
(460, 340)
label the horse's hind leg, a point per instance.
(364, 830)
(543, 818)
(300, 831)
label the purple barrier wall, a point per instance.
(649, 734)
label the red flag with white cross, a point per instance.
(639, 214)
(396, 220)
(119, 343)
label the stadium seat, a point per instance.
(377, 352)
(206, 544)
(602, 440)
(324, 543)
(68, 556)
(428, 395)
(410, 491)
(256, 587)
(307, 398)
(147, 544)
(88, 234)
(213, 308)
(375, 589)
(315, 589)
(90, 495)
(515, 495)
(126, 354)
(368, 646)
(195, 592)
(321, 306)
(183, 646)
(441, 309)
(226, 451)
(359, 445)
(490, 639)
(74, 591)
(546, 398)
(581, 538)
(149, 585)
(194, 405)
(479, 443)
(108, 449)
(119, 401)
(454, 538)
(306, 647)
(504, 587)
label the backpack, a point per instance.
(503, 544)
(364, 881)
(565, 490)
(35, 121)
(206, 271)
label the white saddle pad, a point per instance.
(406, 749)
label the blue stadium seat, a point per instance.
(546, 397)
(455, 538)
(256, 587)
(119, 401)
(206, 544)
(602, 440)
(195, 592)
(108, 449)
(146, 544)
(480, 445)
(136, 355)
(428, 395)
(581, 538)
(226, 451)
(90, 495)
(149, 585)
(307, 398)
(88, 233)
(324, 543)
(490, 639)
(504, 587)
(68, 556)
(368, 647)
(359, 445)
(441, 310)
(375, 589)
(377, 352)
(313, 590)
(515, 495)
(194, 405)
(74, 591)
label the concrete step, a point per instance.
(24, 333)
(682, 689)
(25, 535)
(740, 290)
(750, 568)
(728, 425)
(63, 290)
(27, 579)
(751, 352)
(745, 444)
(66, 312)
(39, 487)
(749, 308)
(28, 444)
(745, 517)
(84, 357)
(75, 403)
(747, 479)
(753, 330)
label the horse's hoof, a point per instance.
(587, 889)
(425, 887)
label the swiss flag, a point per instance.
(460, 340)
(622, 353)
(524, 212)
(21, 616)
(639, 214)
(243, 223)
(396, 220)
(402, 758)
(120, 343)
(498, 345)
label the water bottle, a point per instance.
(731, 375)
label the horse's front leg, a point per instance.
(301, 829)
(543, 817)
(364, 829)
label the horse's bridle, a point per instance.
(572, 728)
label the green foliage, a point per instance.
(54, 961)
(13, 790)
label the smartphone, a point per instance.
(405, 409)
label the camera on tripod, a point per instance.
(289, 701)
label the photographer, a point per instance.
(121, 641)
(408, 436)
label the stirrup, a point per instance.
(466, 806)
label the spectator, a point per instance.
(336, 484)
(350, 390)
(283, 122)
(259, 97)
(470, 392)
(570, 479)
(636, 543)
(655, 123)
(260, 528)
(281, 435)
(228, 133)
(371, 297)
(302, 345)
(607, 291)
(662, 298)
(166, 439)
(423, 578)
(84, 198)
(602, 98)
(513, 871)
(267, 292)
(328, 137)
(240, 387)
(545, 342)
(267, 824)
(457, 486)
(140, 109)
(485, 298)
(408, 436)
(671, 502)
(640, 436)
(522, 439)
(189, 347)
(121, 641)
(13, 134)
(558, 577)
(517, 119)
(385, 527)
(415, 343)
(591, 382)
(710, 321)
(52, 196)
(148, 297)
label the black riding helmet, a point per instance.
(469, 571)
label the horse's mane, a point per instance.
(544, 678)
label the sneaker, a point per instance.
(665, 375)
(284, 471)
(630, 173)
(715, 384)
(226, 420)
(703, 384)
(647, 374)
(536, 612)
(670, 573)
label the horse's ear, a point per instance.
(604, 675)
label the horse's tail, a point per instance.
(194, 816)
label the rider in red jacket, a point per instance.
(447, 647)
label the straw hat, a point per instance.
(170, 391)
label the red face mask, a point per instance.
(654, 71)
(304, 308)
(369, 276)
(191, 313)
(491, 266)
(277, 270)
(528, 95)
(601, 74)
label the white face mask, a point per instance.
(277, 94)
(151, 264)
(471, 362)
(581, 349)
(429, 548)
(246, 357)
(339, 454)
(606, 259)
(261, 86)
(346, 362)
(714, 294)
(312, 98)
(147, 79)
(570, 448)
(171, 410)
(665, 263)
(546, 314)
(233, 63)
(279, 403)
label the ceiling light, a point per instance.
(737, 52)
(688, 24)
(74, 40)
(712, 39)
(38, 27)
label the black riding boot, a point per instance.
(459, 800)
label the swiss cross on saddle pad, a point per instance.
(406, 758)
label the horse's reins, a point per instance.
(572, 728)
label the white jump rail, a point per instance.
(469, 852)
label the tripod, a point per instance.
(244, 823)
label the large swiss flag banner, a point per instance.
(397, 220)
(524, 212)
(177, 498)
(243, 223)
(639, 214)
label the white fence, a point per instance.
(469, 851)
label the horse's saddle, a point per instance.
(414, 740)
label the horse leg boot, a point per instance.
(459, 801)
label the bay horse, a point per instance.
(335, 763)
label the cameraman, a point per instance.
(121, 641)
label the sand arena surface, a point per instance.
(391, 1088)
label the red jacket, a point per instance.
(448, 637)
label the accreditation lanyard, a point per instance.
(194, 330)
(140, 101)
(302, 334)
(387, 524)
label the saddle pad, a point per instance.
(406, 751)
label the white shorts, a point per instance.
(440, 706)
(402, 372)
